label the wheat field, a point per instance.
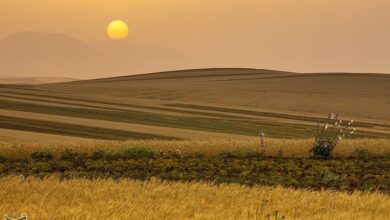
(289, 147)
(128, 199)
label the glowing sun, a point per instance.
(117, 30)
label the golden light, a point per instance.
(117, 30)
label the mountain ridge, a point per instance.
(31, 54)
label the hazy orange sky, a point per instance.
(296, 35)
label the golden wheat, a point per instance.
(290, 147)
(128, 199)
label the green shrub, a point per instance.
(196, 155)
(329, 136)
(111, 155)
(98, 155)
(323, 148)
(67, 154)
(239, 154)
(2, 158)
(3, 168)
(330, 178)
(362, 153)
(280, 154)
(233, 154)
(63, 166)
(137, 152)
(41, 167)
(254, 154)
(42, 155)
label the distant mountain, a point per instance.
(28, 54)
(31, 54)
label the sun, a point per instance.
(117, 30)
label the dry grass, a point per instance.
(128, 199)
(290, 148)
(13, 136)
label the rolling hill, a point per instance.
(33, 80)
(350, 94)
(200, 103)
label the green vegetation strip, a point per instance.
(73, 129)
(91, 105)
(267, 114)
(248, 168)
(194, 107)
(243, 127)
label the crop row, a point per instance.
(233, 167)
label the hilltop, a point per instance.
(363, 95)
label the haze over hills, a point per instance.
(175, 104)
(32, 54)
(144, 59)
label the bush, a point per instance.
(98, 155)
(323, 148)
(137, 152)
(196, 155)
(239, 154)
(42, 155)
(233, 155)
(112, 155)
(254, 154)
(329, 136)
(330, 178)
(280, 154)
(362, 153)
(67, 154)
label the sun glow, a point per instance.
(117, 30)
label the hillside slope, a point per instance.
(33, 80)
(352, 94)
(197, 104)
